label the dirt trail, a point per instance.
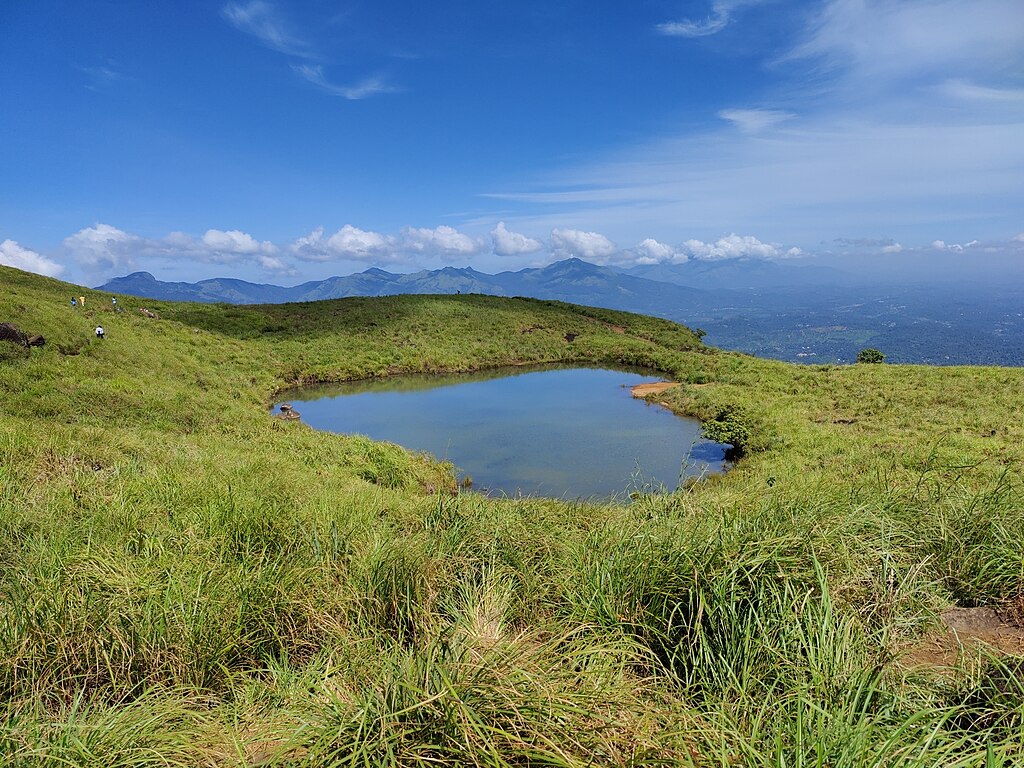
(655, 388)
(1000, 629)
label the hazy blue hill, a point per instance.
(740, 273)
(570, 280)
(222, 289)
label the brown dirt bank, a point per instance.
(654, 388)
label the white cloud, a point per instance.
(909, 120)
(366, 87)
(650, 251)
(718, 19)
(260, 19)
(960, 89)
(508, 243)
(276, 265)
(234, 242)
(441, 241)
(735, 247)
(102, 248)
(348, 243)
(354, 243)
(755, 120)
(13, 255)
(894, 248)
(1019, 238)
(900, 38)
(590, 246)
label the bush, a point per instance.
(870, 356)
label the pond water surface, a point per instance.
(566, 432)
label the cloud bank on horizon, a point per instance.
(102, 251)
(762, 129)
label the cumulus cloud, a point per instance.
(13, 255)
(508, 243)
(353, 244)
(276, 265)
(650, 251)
(441, 241)
(233, 241)
(736, 247)
(103, 248)
(591, 246)
(348, 243)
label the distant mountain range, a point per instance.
(573, 276)
(784, 310)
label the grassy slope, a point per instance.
(184, 580)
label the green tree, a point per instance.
(870, 356)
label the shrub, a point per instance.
(870, 355)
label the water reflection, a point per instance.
(562, 432)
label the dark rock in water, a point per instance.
(11, 332)
(287, 412)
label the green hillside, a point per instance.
(185, 580)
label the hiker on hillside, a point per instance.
(99, 332)
(81, 301)
(74, 302)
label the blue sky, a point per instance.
(286, 141)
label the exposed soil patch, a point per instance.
(999, 628)
(655, 388)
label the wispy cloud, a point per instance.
(719, 18)
(102, 75)
(260, 19)
(960, 89)
(898, 116)
(900, 39)
(755, 120)
(314, 74)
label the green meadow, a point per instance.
(186, 581)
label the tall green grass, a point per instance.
(187, 581)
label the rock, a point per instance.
(36, 341)
(11, 332)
